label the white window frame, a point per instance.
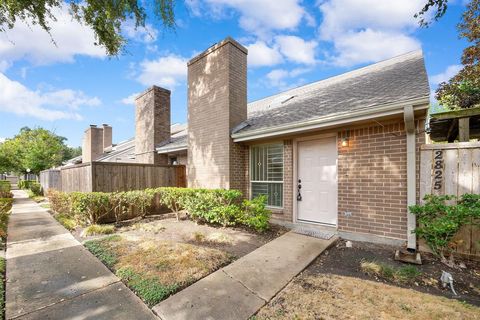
(270, 182)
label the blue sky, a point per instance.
(65, 88)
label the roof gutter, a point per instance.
(169, 150)
(329, 121)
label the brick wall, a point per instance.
(182, 159)
(152, 124)
(286, 213)
(372, 180)
(217, 102)
(92, 145)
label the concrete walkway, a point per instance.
(50, 275)
(239, 290)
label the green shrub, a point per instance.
(25, 184)
(6, 204)
(5, 186)
(441, 217)
(174, 198)
(256, 215)
(89, 207)
(36, 188)
(216, 206)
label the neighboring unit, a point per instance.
(340, 153)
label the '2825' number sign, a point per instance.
(438, 170)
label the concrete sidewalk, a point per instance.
(50, 275)
(239, 290)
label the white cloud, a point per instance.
(52, 105)
(2, 139)
(147, 34)
(260, 54)
(368, 30)
(258, 17)
(282, 79)
(166, 71)
(297, 49)
(34, 44)
(372, 46)
(130, 99)
(446, 75)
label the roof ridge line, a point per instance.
(385, 62)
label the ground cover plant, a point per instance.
(98, 229)
(156, 269)
(407, 273)
(217, 206)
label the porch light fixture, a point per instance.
(346, 138)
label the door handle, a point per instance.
(299, 187)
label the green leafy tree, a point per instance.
(438, 6)
(104, 17)
(71, 152)
(35, 149)
(463, 90)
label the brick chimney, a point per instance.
(217, 102)
(92, 147)
(152, 124)
(107, 137)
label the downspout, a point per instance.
(411, 176)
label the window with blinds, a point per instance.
(266, 173)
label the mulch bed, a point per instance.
(344, 261)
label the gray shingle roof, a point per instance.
(125, 151)
(177, 141)
(399, 79)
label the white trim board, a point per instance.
(330, 121)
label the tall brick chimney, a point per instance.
(152, 124)
(217, 102)
(92, 147)
(107, 136)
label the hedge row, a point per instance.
(5, 205)
(217, 206)
(5, 186)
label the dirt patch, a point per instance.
(330, 296)
(235, 241)
(343, 261)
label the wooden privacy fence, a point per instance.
(453, 168)
(50, 179)
(113, 176)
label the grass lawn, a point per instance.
(341, 297)
(156, 269)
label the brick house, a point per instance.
(339, 154)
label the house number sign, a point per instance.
(438, 170)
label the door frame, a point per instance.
(295, 175)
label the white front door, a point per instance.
(317, 176)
